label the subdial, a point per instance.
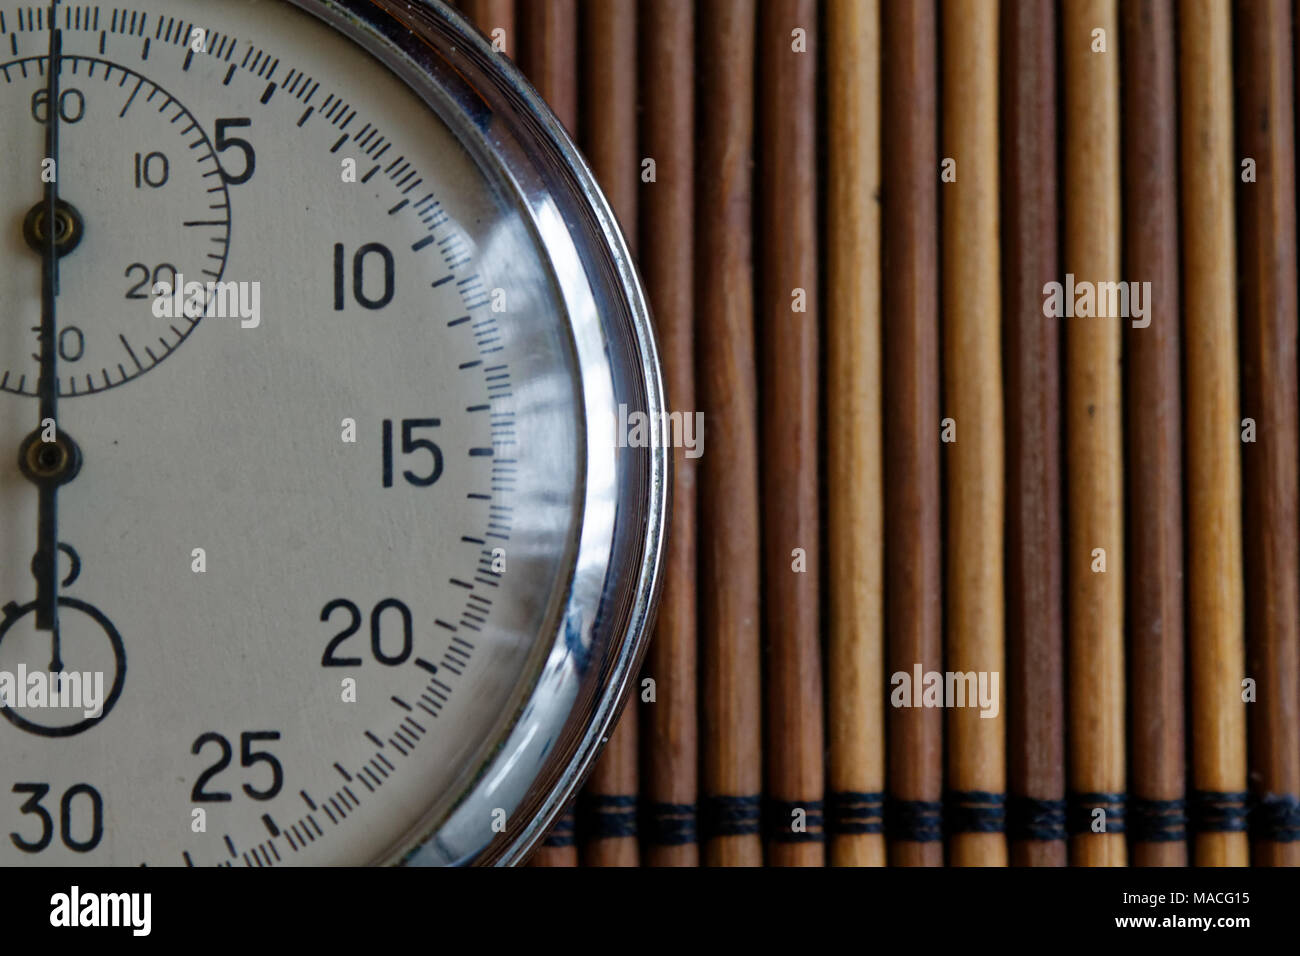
(77, 695)
(146, 201)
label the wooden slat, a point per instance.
(911, 388)
(669, 730)
(492, 15)
(548, 53)
(1214, 582)
(972, 304)
(1094, 427)
(1266, 134)
(855, 526)
(1153, 432)
(608, 124)
(792, 690)
(725, 379)
(1030, 259)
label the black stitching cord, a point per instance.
(561, 833)
(855, 811)
(1080, 807)
(1157, 821)
(669, 824)
(1275, 817)
(1220, 811)
(914, 821)
(607, 816)
(779, 817)
(975, 811)
(1030, 818)
(730, 816)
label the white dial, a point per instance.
(315, 553)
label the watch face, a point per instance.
(313, 495)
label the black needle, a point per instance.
(45, 565)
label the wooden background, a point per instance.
(853, 209)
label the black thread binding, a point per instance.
(975, 811)
(607, 816)
(730, 816)
(779, 818)
(1030, 818)
(1079, 808)
(669, 824)
(1157, 821)
(561, 834)
(1276, 818)
(855, 811)
(1220, 811)
(915, 821)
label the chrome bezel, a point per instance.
(583, 665)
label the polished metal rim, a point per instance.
(599, 626)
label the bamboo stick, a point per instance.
(791, 385)
(1154, 438)
(1213, 436)
(732, 767)
(609, 128)
(972, 302)
(911, 388)
(608, 125)
(1266, 135)
(856, 671)
(548, 44)
(1094, 428)
(492, 15)
(1035, 681)
(671, 782)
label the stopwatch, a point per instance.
(323, 546)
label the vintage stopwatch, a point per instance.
(322, 544)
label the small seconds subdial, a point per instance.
(149, 197)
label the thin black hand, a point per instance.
(45, 565)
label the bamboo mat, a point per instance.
(992, 553)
